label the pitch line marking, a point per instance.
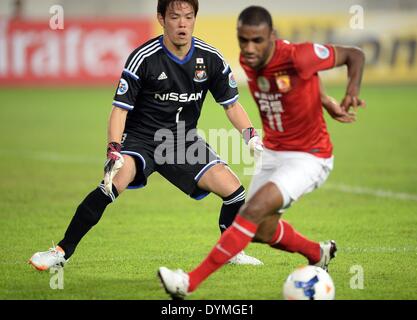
(372, 192)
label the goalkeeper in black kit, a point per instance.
(158, 102)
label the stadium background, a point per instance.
(55, 92)
(98, 35)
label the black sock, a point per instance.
(87, 215)
(230, 208)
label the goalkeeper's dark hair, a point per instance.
(163, 5)
(255, 16)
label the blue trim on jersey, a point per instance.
(122, 105)
(229, 102)
(131, 74)
(174, 58)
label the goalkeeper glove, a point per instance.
(113, 164)
(253, 141)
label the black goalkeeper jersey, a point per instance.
(160, 91)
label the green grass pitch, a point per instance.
(52, 151)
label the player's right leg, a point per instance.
(293, 174)
(86, 216)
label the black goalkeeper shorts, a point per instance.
(182, 165)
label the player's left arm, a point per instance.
(333, 107)
(240, 120)
(354, 59)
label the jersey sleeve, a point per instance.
(129, 86)
(310, 58)
(223, 85)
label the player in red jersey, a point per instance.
(283, 79)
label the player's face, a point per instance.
(256, 44)
(178, 23)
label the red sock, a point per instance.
(288, 239)
(232, 241)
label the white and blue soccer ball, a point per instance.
(309, 283)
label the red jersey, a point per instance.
(287, 92)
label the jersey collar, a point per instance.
(174, 58)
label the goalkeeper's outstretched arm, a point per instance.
(116, 125)
(114, 160)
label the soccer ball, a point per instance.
(309, 283)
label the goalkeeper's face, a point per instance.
(178, 23)
(256, 44)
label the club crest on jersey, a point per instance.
(232, 81)
(283, 82)
(123, 87)
(263, 84)
(200, 74)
